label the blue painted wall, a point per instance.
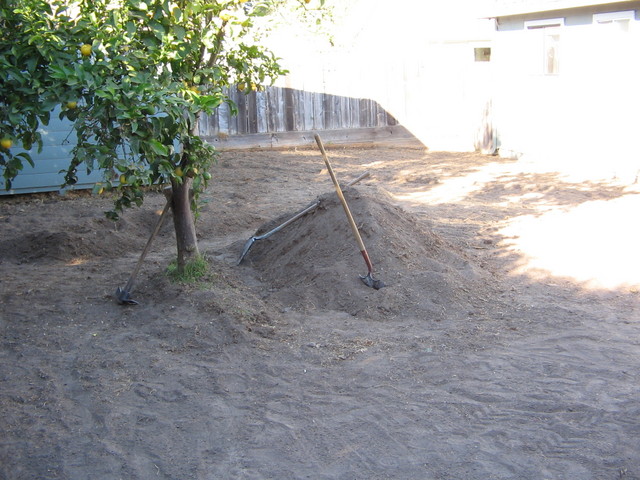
(58, 140)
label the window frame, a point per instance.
(607, 17)
(549, 30)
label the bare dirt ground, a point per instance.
(506, 344)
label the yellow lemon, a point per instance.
(6, 143)
(85, 50)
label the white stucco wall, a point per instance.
(414, 57)
(585, 117)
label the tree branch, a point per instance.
(217, 48)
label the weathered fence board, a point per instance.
(279, 110)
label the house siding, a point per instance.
(587, 112)
(582, 15)
(504, 8)
(58, 140)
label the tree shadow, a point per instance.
(539, 224)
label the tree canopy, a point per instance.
(134, 78)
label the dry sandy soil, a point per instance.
(506, 344)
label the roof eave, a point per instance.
(526, 8)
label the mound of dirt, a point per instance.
(34, 236)
(315, 263)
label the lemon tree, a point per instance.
(134, 77)
(26, 97)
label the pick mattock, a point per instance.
(123, 295)
(368, 279)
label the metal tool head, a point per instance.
(371, 282)
(245, 250)
(124, 298)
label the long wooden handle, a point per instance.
(165, 210)
(352, 223)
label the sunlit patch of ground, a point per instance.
(458, 188)
(597, 242)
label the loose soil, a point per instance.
(475, 361)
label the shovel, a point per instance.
(123, 295)
(367, 279)
(302, 213)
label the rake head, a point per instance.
(245, 250)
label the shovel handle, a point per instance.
(165, 210)
(352, 223)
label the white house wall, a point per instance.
(587, 115)
(415, 58)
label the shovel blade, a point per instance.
(124, 297)
(371, 282)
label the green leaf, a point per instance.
(31, 64)
(158, 30)
(150, 41)
(140, 5)
(131, 28)
(158, 148)
(27, 158)
(180, 32)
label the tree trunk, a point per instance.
(183, 222)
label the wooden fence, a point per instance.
(279, 116)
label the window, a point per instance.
(551, 50)
(482, 54)
(614, 50)
(548, 41)
(618, 21)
